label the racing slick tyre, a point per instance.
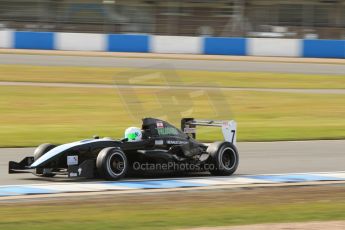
(112, 163)
(40, 151)
(225, 158)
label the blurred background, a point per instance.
(324, 19)
(270, 28)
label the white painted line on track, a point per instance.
(235, 180)
(80, 187)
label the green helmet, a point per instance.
(133, 134)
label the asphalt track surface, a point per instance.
(255, 158)
(161, 63)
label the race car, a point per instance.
(157, 144)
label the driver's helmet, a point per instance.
(133, 134)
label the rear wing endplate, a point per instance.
(229, 128)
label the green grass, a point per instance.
(33, 115)
(179, 213)
(107, 75)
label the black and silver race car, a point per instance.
(161, 147)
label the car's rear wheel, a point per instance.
(112, 163)
(225, 158)
(40, 151)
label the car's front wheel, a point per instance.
(112, 163)
(40, 151)
(224, 157)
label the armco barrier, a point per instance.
(225, 46)
(176, 44)
(324, 48)
(128, 43)
(80, 41)
(6, 39)
(274, 47)
(173, 44)
(34, 40)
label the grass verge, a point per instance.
(179, 209)
(33, 115)
(107, 75)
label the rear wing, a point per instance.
(229, 128)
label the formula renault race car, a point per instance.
(157, 145)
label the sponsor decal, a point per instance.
(170, 142)
(159, 142)
(72, 160)
(72, 174)
(167, 131)
(160, 124)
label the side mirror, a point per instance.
(95, 137)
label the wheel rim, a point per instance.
(116, 164)
(228, 158)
